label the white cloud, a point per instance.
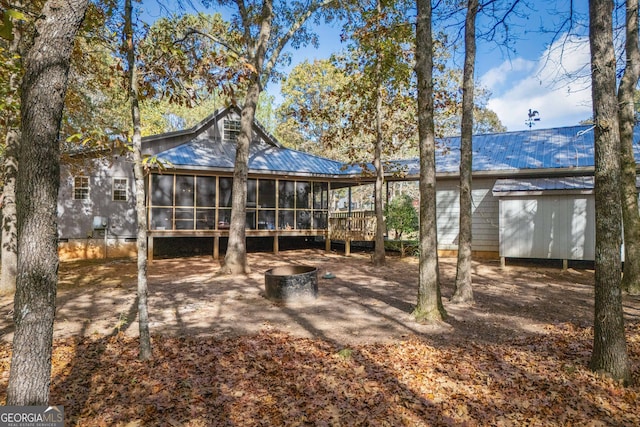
(557, 86)
(497, 77)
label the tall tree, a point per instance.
(379, 64)
(463, 289)
(266, 30)
(378, 252)
(11, 114)
(42, 100)
(429, 306)
(627, 121)
(309, 90)
(316, 113)
(138, 171)
(609, 344)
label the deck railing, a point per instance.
(355, 225)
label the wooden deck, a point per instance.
(358, 226)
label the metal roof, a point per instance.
(558, 148)
(573, 183)
(263, 157)
(562, 149)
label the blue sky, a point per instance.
(549, 78)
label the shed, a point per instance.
(547, 218)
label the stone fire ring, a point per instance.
(291, 283)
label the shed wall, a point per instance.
(548, 227)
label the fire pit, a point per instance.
(292, 282)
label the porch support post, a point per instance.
(276, 244)
(347, 247)
(565, 264)
(150, 248)
(327, 243)
(216, 247)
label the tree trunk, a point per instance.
(141, 212)
(9, 255)
(235, 260)
(379, 253)
(42, 100)
(463, 289)
(609, 345)
(429, 306)
(626, 116)
(9, 251)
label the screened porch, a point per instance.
(193, 204)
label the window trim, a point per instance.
(78, 188)
(231, 128)
(125, 189)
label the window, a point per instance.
(81, 188)
(162, 190)
(120, 189)
(231, 129)
(184, 190)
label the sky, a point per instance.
(534, 74)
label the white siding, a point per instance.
(548, 226)
(485, 234)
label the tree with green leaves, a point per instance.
(185, 59)
(309, 109)
(46, 68)
(401, 217)
(266, 27)
(379, 64)
(316, 104)
(609, 344)
(429, 306)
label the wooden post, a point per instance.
(327, 244)
(503, 262)
(276, 244)
(565, 264)
(347, 247)
(216, 247)
(150, 248)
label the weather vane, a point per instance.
(533, 117)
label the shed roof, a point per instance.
(510, 186)
(570, 184)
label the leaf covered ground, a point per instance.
(275, 379)
(225, 355)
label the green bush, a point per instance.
(401, 216)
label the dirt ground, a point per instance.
(362, 304)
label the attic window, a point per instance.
(231, 129)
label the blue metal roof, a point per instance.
(528, 150)
(573, 183)
(507, 186)
(557, 148)
(263, 157)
